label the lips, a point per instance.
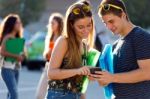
(85, 34)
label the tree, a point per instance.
(139, 12)
(28, 10)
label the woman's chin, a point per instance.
(84, 37)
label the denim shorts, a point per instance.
(62, 94)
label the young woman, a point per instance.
(11, 28)
(65, 70)
(55, 28)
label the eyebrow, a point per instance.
(110, 20)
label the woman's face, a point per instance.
(54, 25)
(18, 25)
(83, 27)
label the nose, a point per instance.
(109, 26)
(86, 30)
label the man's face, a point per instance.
(113, 23)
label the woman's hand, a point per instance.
(91, 78)
(103, 77)
(83, 71)
(48, 54)
(20, 58)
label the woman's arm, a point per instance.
(7, 54)
(47, 50)
(58, 53)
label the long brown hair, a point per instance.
(59, 18)
(7, 26)
(74, 53)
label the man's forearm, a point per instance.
(131, 77)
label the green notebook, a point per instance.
(14, 46)
(92, 59)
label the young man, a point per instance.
(131, 79)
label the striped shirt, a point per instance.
(135, 46)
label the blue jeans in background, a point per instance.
(10, 78)
(60, 94)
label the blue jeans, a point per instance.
(60, 94)
(10, 78)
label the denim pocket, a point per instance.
(53, 94)
(61, 95)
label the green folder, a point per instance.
(92, 59)
(14, 46)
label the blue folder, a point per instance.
(106, 63)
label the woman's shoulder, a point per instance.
(62, 40)
(61, 45)
(7, 37)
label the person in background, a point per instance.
(66, 75)
(131, 78)
(101, 40)
(55, 29)
(11, 27)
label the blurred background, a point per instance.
(35, 14)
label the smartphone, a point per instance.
(94, 69)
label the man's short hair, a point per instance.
(115, 7)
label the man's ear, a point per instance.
(123, 15)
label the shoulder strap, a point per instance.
(84, 56)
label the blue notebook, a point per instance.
(106, 63)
